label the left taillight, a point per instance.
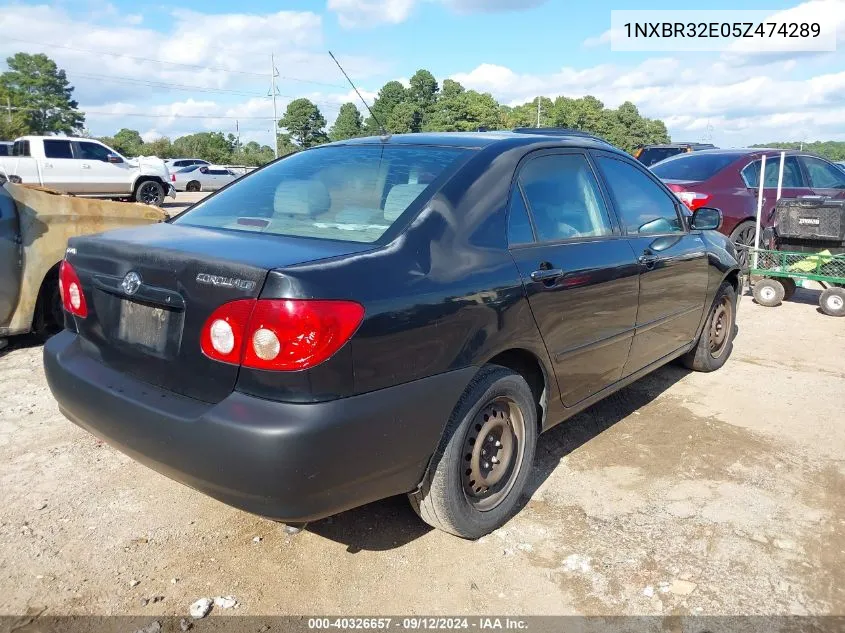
(279, 334)
(70, 289)
(692, 199)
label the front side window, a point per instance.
(57, 149)
(644, 208)
(93, 151)
(564, 198)
(351, 193)
(791, 173)
(823, 175)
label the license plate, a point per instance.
(144, 325)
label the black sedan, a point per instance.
(388, 316)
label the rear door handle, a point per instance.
(86, 166)
(546, 274)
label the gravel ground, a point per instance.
(717, 493)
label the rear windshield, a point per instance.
(653, 155)
(350, 193)
(693, 166)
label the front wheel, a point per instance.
(480, 468)
(716, 342)
(832, 302)
(149, 192)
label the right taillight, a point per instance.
(70, 289)
(692, 199)
(279, 334)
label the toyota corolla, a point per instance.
(383, 316)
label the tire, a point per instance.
(769, 292)
(716, 342)
(743, 238)
(193, 186)
(789, 287)
(448, 498)
(49, 317)
(149, 192)
(832, 302)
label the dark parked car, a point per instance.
(388, 316)
(650, 154)
(728, 179)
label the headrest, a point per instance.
(301, 197)
(400, 198)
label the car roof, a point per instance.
(679, 144)
(540, 137)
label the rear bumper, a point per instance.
(290, 462)
(171, 190)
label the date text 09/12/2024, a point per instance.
(418, 623)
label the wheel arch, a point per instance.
(37, 320)
(529, 366)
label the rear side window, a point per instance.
(519, 225)
(791, 173)
(351, 193)
(564, 198)
(4, 149)
(57, 149)
(653, 155)
(21, 148)
(695, 166)
(823, 175)
(644, 208)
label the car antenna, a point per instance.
(385, 135)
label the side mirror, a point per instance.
(114, 158)
(706, 219)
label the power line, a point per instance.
(164, 84)
(161, 61)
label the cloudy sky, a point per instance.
(193, 65)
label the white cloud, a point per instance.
(368, 13)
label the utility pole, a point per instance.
(273, 92)
(538, 111)
(8, 109)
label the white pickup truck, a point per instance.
(85, 167)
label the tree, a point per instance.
(12, 122)
(161, 147)
(255, 155)
(391, 94)
(423, 93)
(405, 118)
(460, 110)
(42, 92)
(286, 145)
(304, 123)
(348, 124)
(127, 142)
(210, 146)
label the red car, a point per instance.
(728, 179)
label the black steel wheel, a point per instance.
(483, 461)
(715, 344)
(743, 238)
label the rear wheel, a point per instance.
(743, 238)
(769, 292)
(832, 302)
(49, 317)
(789, 287)
(715, 344)
(484, 459)
(149, 192)
(193, 186)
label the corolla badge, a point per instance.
(225, 282)
(131, 282)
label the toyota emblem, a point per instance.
(131, 283)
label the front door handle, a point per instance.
(546, 274)
(86, 166)
(648, 260)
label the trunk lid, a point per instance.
(151, 289)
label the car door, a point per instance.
(794, 182)
(103, 171)
(579, 273)
(672, 260)
(825, 179)
(59, 169)
(10, 257)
